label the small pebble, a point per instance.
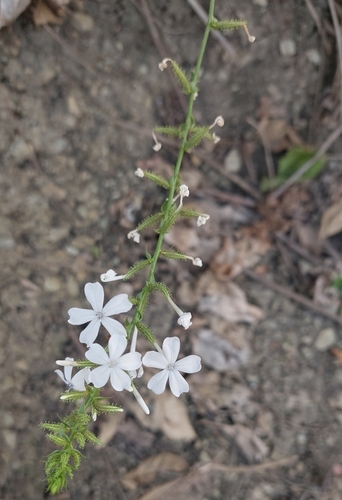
(288, 48)
(314, 56)
(232, 162)
(83, 22)
(326, 339)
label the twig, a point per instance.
(337, 29)
(317, 19)
(298, 248)
(235, 199)
(325, 146)
(267, 148)
(249, 469)
(161, 49)
(293, 296)
(219, 37)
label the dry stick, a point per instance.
(249, 469)
(314, 14)
(219, 37)
(267, 148)
(162, 51)
(293, 296)
(298, 248)
(326, 145)
(339, 45)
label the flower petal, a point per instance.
(171, 346)
(189, 364)
(100, 375)
(119, 379)
(117, 305)
(95, 295)
(80, 316)
(61, 375)
(89, 334)
(157, 383)
(130, 361)
(113, 327)
(96, 354)
(178, 384)
(155, 360)
(116, 345)
(68, 371)
(79, 378)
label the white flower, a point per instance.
(184, 190)
(134, 235)
(197, 262)
(99, 314)
(202, 219)
(218, 121)
(216, 138)
(139, 172)
(114, 365)
(184, 317)
(140, 400)
(157, 146)
(185, 320)
(111, 275)
(170, 368)
(77, 382)
(163, 64)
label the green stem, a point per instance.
(188, 122)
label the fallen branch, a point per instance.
(293, 296)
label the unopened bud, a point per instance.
(157, 145)
(251, 38)
(139, 172)
(163, 64)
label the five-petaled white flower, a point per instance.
(77, 382)
(166, 361)
(99, 314)
(114, 365)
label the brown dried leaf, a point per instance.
(226, 300)
(278, 135)
(250, 445)
(43, 14)
(10, 10)
(336, 351)
(235, 255)
(146, 472)
(108, 426)
(331, 222)
(171, 416)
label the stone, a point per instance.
(288, 47)
(314, 56)
(83, 22)
(326, 339)
(233, 161)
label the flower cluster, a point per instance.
(116, 366)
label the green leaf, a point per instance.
(337, 283)
(195, 139)
(294, 159)
(181, 77)
(227, 24)
(170, 131)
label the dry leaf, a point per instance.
(166, 492)
(43, 14)
(10, 10)
(235, 255)
(220, 353)
(278, 135)
(325, 295)
(226, 300)
(331, 222)
(336, 351)
(171, 416)
(250, 445)
(108, 426)
(146, 472)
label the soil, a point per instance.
(77, 105)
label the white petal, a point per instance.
(141, 401)
(68, 370)
(185, 320)
(61, 375)
(117, 305)
(113, 327)
(96, 354)
(130, 361)
(78, 379)
(80, 316)
(95, 295)
(119, 379)
(89, 334)
(111, 275)
(178, 384)
(100, 375)
(157, 383)
(171, 346)
(155, 360)
(189, 364)
(117, 344)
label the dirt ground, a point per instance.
(78, 101)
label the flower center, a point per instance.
(100, 315)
